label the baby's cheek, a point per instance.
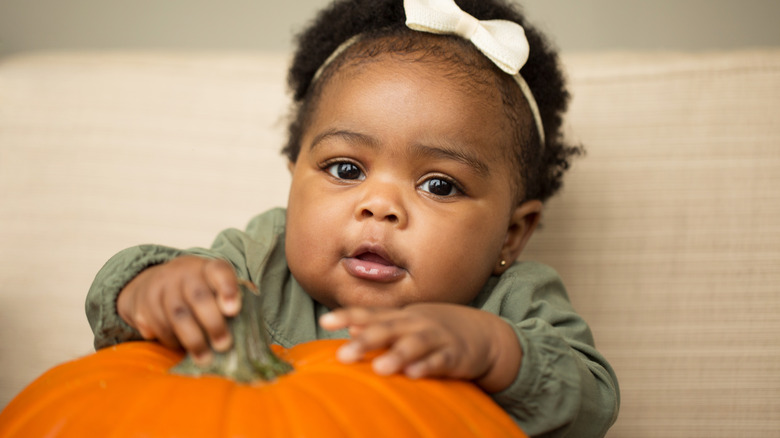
(459, 281)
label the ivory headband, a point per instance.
(502, 41)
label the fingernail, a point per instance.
(414, 372)
(203, 358)
(223, 343)
(385, 365)
(348, 353)
(328, 319)
(230, 306)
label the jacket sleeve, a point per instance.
(108, 328)
(565, 387)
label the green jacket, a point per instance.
(564, 387)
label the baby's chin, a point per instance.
(370, 295)
(335, 288)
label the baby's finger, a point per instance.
(156, 331)
(355, 331)
(407, 350)
(166, 337)
(222, 280)
(153, 322)
(372, 337)
(187, 329)
(338, 319)
(333, 321)
(355, 317)
(437, 364)
(207, 314)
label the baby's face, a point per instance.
(402, 190)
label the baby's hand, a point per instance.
(432, 340)
(183, 304)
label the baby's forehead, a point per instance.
(452, 56)
(442, 59)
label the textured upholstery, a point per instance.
(666, 233)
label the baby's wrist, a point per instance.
(505, 357)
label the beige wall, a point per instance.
(577, 25)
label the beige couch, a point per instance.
(667, 233)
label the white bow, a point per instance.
(502, 41)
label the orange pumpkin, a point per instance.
(127, 391)
(131, 390)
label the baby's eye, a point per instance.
(346, 170)
(440, 187)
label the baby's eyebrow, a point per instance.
(454, 152)
(348, 136)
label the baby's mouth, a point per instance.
(373, 264)
(374, 258)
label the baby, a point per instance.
(421, 156)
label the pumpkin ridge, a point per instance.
(288, 409)
(131, 411)
(65, 415)
(316, 362)
(240, 418)
(43, 393)
(343, 389)
(297, 389)
(163, 389)
(120, 417)
(14, 425)
(395, 390)
(469, 408)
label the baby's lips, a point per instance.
(374, 258)
(372, 271)
(375, 253)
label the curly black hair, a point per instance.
(540, 168)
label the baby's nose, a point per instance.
(382, 202)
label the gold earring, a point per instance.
(503, 263)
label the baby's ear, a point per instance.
(291, 166)
(522, 224)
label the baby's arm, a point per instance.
(183, 304)
(562, 386)
(432, 340)
(245, 252)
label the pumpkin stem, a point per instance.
(250, 359)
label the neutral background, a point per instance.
(696, 347)
(577, 25)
